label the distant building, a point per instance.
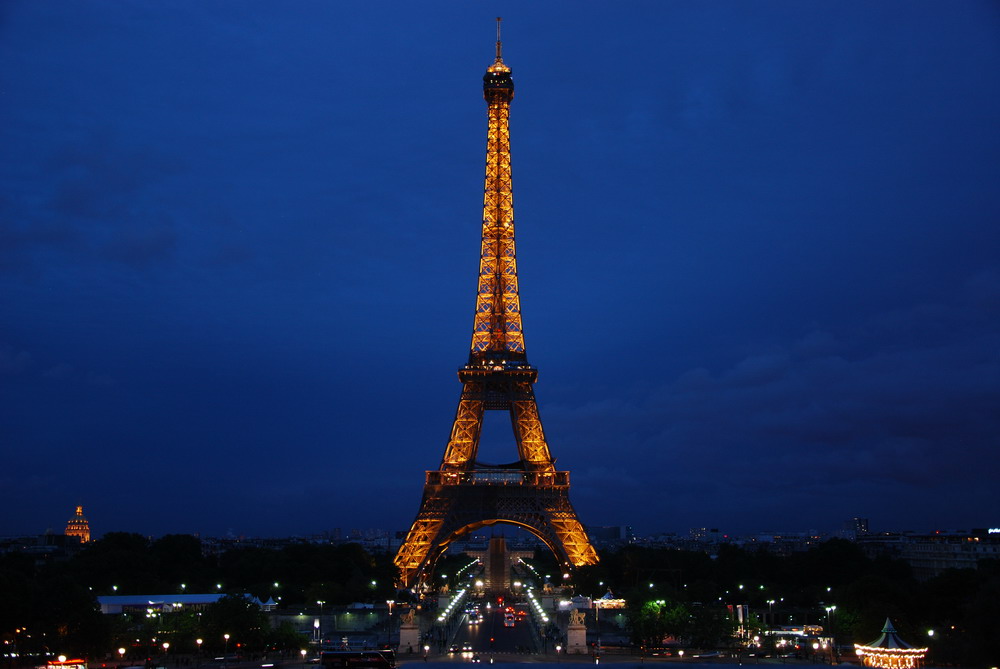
(78, 526)
(706, 535)
(157, 604)
(609, 537)
(853, 529)
(930, 554)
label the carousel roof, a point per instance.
(889, 639)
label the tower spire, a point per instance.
(499, 43)
(496, 332)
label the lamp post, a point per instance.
(833, 639)
(225, 653)
(199, 642)
(303, 653)
(597, 623)
(388, 624)
(121, 654)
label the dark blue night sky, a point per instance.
(758, 247)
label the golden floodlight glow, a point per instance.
(464, 495)
(889, 651)
(78, 526)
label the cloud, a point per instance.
(88, 199)
(142, 244)
(59, 371)
(902, 403)
(13, 361)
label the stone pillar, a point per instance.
(576, 634)
(576, 639)
(409, 637)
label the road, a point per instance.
(491, 636)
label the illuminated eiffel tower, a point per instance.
(465, 495)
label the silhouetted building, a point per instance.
(930, 554)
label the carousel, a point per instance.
(889, 651)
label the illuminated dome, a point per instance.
(78, 526)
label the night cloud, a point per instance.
(756, 246)
(13, 361)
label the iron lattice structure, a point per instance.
(465, 495)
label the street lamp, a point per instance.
(388, 624)
(829, 621)
(597, 622)
(121, 654)
(303, 653)
(225, 654)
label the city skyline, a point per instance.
(757, 250)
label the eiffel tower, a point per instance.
(464, 494)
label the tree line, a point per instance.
(686, 594)
(52, 605)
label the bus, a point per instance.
(376, 659)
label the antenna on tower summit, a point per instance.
(499, 19)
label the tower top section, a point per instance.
(497, 77)
(496, 334)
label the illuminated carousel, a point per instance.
(889, 651)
